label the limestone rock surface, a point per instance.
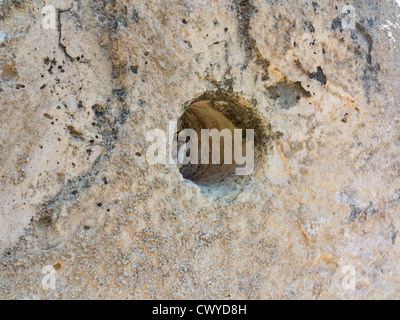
(76, 190)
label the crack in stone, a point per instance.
(245, 10)
(59, 29)
(367, 37)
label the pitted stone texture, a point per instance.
(78, 193)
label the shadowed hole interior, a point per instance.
(221, 111)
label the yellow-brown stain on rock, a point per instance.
(9, 72)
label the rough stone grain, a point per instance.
(77, 192)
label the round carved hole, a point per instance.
(226, 136)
